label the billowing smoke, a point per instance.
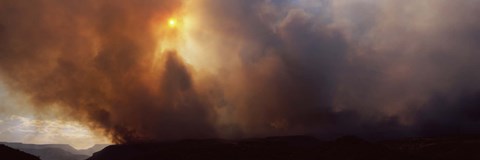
(248, 68)
(97, 59)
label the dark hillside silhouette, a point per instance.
(299, 148)
(8, 153)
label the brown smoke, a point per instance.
(97, 59)
(247, 68)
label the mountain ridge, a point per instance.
(295, 147)
(55, 151)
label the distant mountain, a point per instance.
(54, 154)
(297, 148)
(56, 151)
(8, 153)
(64, 147)
(91, 150)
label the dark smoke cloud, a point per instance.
(266, 67)
(346, 67)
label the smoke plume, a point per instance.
(234, 69)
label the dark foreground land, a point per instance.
(299, 148)
(8, 153)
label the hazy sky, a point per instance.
(236, 69)
(19, 123)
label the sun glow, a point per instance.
(172, 22)
(174, 33)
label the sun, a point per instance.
(172, 22)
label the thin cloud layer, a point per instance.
(22, 129)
